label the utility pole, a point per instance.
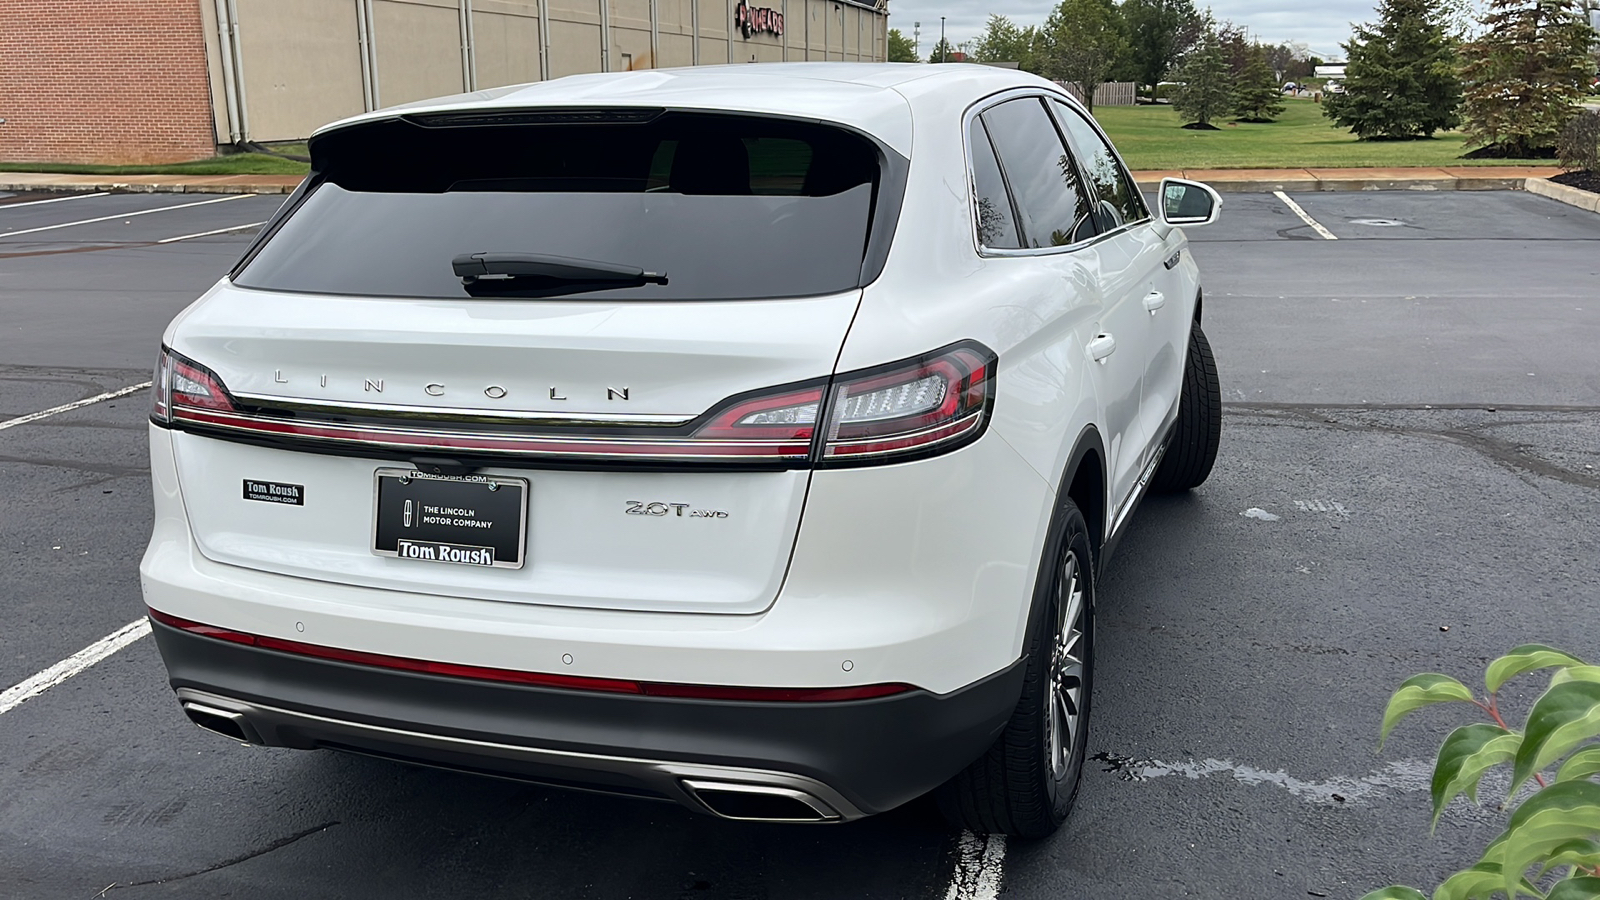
(944, 49)
(916, 39)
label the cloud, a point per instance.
(1323, 24)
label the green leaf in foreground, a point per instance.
(1467, 753)
(1581, 852)
(1419, 691)
(1527, 658)
(1477, 883)
(1576, 673)
(1564, 717)
(1396, 892)
(1585, 888)
(1556, 816)
(1583, 764)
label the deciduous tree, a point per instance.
(1401, 82)
(1003, 41)
(1083, 43)
(901, 49)
(1160, 32)
(1525, 74)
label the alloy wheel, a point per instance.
(1068, 671)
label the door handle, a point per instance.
(1101, 347)
(1154, 301)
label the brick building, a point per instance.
(108, 81)
(144, 81)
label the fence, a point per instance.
(1112, 93)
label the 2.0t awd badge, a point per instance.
(642, 508)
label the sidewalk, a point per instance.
(1465, 178)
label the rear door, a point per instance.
(1057, 225)
(1134, 256)
(634, 409)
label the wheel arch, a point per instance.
(1083, 481)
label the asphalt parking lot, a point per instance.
(1412, 444)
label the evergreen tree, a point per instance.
(1083, 43)
(942, 52)
(1401, 82)
(1257, 97)
(1207, 90)
(901, 49)
(1525, 74)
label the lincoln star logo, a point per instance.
(440, 389)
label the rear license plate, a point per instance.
(470, 520)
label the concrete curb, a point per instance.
(1571, 196)
(1254, 181)
(149, 184)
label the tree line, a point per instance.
(1512, 76)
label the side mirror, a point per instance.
(1188, 203)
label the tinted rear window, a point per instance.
(726, 207)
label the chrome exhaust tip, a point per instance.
(225, 722)
(759, 802)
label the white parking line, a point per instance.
(14, 696)
(1315, 225)
(185, 237)
(54, 200)
(76, 404)
(126, 215)
(979, 863)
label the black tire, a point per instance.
(1018, 787)
(1195, 437)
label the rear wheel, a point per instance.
(1198, 431)
(1024, 785)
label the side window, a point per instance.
(997, 226)
(1122, 202)
(1043, 179)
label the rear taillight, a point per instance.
(930, 404)
(181, 382)
(917, 407)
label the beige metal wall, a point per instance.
(281, 68)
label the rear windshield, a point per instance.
(724, 207)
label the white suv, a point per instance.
(748, 437)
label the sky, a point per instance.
(1324, 24)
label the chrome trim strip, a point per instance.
(579, 446)
(288, 728)
(448, 413)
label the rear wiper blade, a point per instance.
(510, 267)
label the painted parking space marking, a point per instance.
(35, 685)
(126, 215)
(76, 404)
(980, 862)
(54, 200)
(186, 237)
(1300, 211)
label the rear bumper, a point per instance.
(840, 760)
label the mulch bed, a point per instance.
(1587, 181)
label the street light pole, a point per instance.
(944, 49)
(916, 40)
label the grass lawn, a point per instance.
(233, 164)
(1150, 137)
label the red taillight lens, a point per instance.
(181, 382)
(930, 404)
